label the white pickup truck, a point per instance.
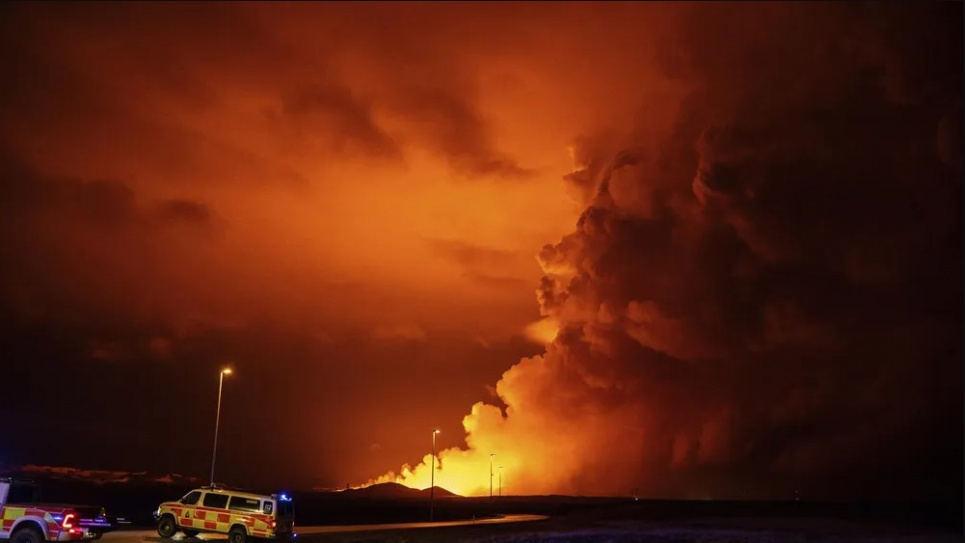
(24, 520)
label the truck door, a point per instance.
(190, 502)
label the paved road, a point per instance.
(139, 536)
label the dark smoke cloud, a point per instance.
(81, 244)
(780, 282)
(487, 267)
(350, 120)
(186, 211)
(103, 73)
(454, 129)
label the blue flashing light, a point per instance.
(284, 498)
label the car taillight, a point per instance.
(68, 524)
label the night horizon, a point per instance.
(680, 251)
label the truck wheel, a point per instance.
(189, 533)
(27, 535)
(237, 534)
(166, 527)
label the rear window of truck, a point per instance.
(238, 503)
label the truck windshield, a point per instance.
(191, 498)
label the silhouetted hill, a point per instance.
(395, 491)
(440, 493)
(383, 490)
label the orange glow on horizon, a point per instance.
(465, 473)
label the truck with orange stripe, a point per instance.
(219, 510)
(26, 521)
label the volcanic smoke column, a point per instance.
(768, 297)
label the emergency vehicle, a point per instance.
(216, 509)
(24, 521)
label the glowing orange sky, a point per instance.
(369, 207)
(323, 171)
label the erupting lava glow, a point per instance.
(463, 472)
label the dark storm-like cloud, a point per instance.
(94, 202)
(104, 73)
(80, 245)
(107, 203)
(187, 211)
(452, 127)
(442, 120)
(60, 102)
(489, 267)
(347, 118)
(499, 282)
(473, 255)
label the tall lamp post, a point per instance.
(432, 484)
(217, 419)
(491, 455)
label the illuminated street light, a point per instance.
(432, 484)
(217, 419)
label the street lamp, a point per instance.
(217, 419)
(432, 484)
(491, 455)
(500, 481)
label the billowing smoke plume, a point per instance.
(768, 299)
